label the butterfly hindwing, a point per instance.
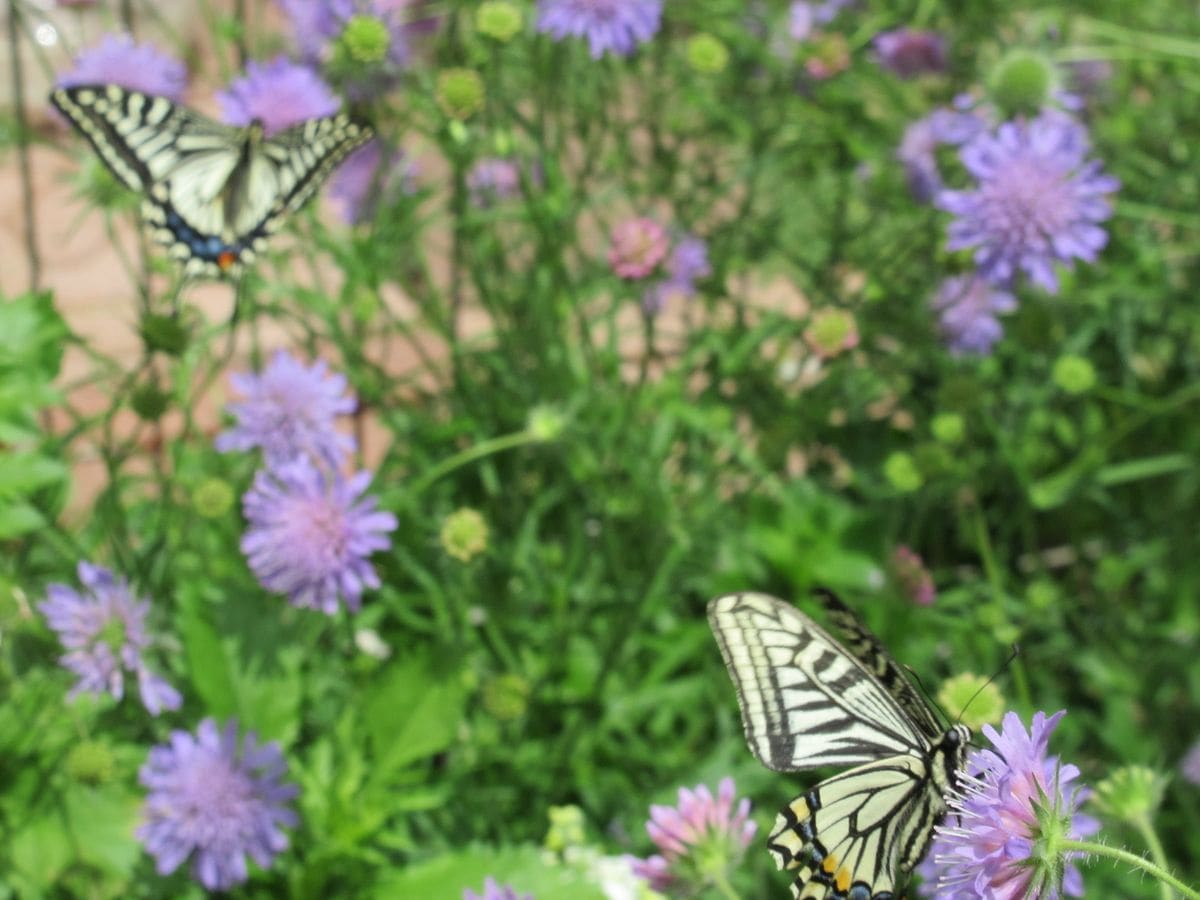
(212, 193)
(808, 700)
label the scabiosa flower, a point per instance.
(215, 803)
(118, 59)
(289, 411)
(103, 628)
(609, 25)
(702, 837)
(363, 42)
(907, 51)
(279, 94)
(638, 246)
(968, 306)
(918, 147)
(364, 181)
(804, 17)
(999, 839)
(494, 891)
(688, 262)
(912, 576)
(310, 533)
(1038, 201)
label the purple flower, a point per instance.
(914, 579)
(289, 411)
(103, 628)
(638, 246)
(118, 59)
(362, 182)
(991, 842)
(616, 25)
(804, 17)
(493, 891)
(494, 179)
(215, 803)
(1037, 202)
(701, 833)
(907, 52)
(310, 533)
(1189, 766)
(968, 306)
(279, 94)
(918, 147)
(688, 262)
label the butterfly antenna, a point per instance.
(1012, 654)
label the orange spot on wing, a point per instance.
(829, 864)
(843, 879)
(226, 259)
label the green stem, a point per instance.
(1132, 859)
(1146, 830)
(471, 454)
(721, 883)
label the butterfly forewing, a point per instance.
(808, 701)
(211, 192)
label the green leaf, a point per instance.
(23, 473)
(413, 711)
(102, 822)
(17, 519)
(522, 868)
(208, 663)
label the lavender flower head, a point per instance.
(494, 891)
(365, 180)
(289, 411)
(616, 26)
(118, 59)
(494, 179)
(1189, 766)
(364, 33)
(637, 248)
(215, 803)
(805, 17)
(908, 52)
(279, 93)
(686, 264)
(988, 844)
(701, 831)
(310, 534)
(967, 307)
(1038, 200)
(918, 147)
(103, 628)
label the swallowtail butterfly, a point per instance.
(808, 700)
(212, 193)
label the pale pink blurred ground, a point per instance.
(96, 295)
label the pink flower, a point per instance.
(701, 830)
(915, 580)
(638, 246)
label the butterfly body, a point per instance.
(807, 701)
(211, 193)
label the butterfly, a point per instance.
(212, 193)
(809, 701)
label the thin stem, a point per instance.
(1146, 830)
(18, 101)
(472, 454)
(721, 883)
(1132, 859)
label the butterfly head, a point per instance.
(952, 752)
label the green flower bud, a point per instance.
(902, 473)
(149, 401)
(212, 498)
(1022, 82)
(464, 534)
(164, 334)
(1074, 374)
(706, 54)
(460, 93)
(972, 699)
(545, 423)
(949, 428)
(566, 828)
(506, 697)
(1131, 794)
(498, 20)
(365, 40)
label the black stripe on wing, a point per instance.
(860, 641)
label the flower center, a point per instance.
(1028, 200)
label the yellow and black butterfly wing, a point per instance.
(809, 701)
(212, 193)
(852, 835)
